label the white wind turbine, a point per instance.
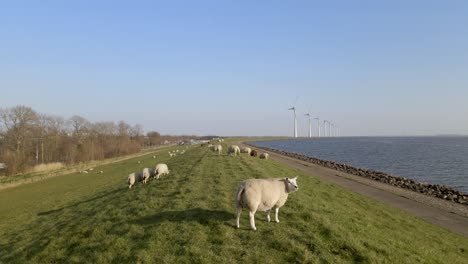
(310, 125)
(295, 120)
(325, 127)
(318, 125)
(332, 132)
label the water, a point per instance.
(439, 160)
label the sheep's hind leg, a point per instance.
(239, 211)
(252, 220)
(268, 215)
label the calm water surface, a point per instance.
(440, 160)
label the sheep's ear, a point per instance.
(286, 179)
(295, 178)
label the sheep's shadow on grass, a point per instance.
(101, 196)
(202, 216)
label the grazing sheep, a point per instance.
(154, 157)
(233, 149)
(134, 177)
(146, 175)
(263, 195)
(264, 155)
(100, 172)
(219, 149)
(86, 172)
(253, 153)
(161, 169)
(246, 150)
(138, 162)
(91, 169)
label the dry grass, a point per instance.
(47, 167)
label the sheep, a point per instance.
(253, 153)
(264, 155)
(134, 177)
(91, 169)
(233, 149)
(154, 157)
(161, 169)
(219, 149)
(100, 172)
(246, 150)
(138, 162)
(146, 175)
(263, 195)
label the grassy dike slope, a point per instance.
(189, 217)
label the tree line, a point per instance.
(29, 138)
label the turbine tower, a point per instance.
(325, 127)
(310, 125)
(332, 132)
(318, 125)
(295, 120)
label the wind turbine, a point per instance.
(310, 125)
(332, 132)
(318, 125)
(295, 120)
(325, 127)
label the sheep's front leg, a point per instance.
(268, 215)
(276, 215)
(252, 220)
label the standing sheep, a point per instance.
(161, 169)
(134, 177)
(246, 150)
(233, 149)
(253, 153)
(264, 155)
(219, 149)
(263, 195)
(146, 175)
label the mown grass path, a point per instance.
(188, 217)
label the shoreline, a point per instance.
(444, 213)
(433, 190)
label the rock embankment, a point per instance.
(435, 190)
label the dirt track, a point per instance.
(446, 214)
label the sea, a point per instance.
(437, 159)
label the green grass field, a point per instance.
(188, 217)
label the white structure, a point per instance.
(318, 125)
(325, 128)
(310, 125)
(295, 120)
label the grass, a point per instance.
(188, 217)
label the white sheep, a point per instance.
(233, 149)
(134, 177)
(161, 169)
(146, 175)
(246, 150)
(264, 155)
(154, 157)
(219, 149)
(263, 195)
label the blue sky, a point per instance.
(234, 67)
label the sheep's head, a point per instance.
(291, 184)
